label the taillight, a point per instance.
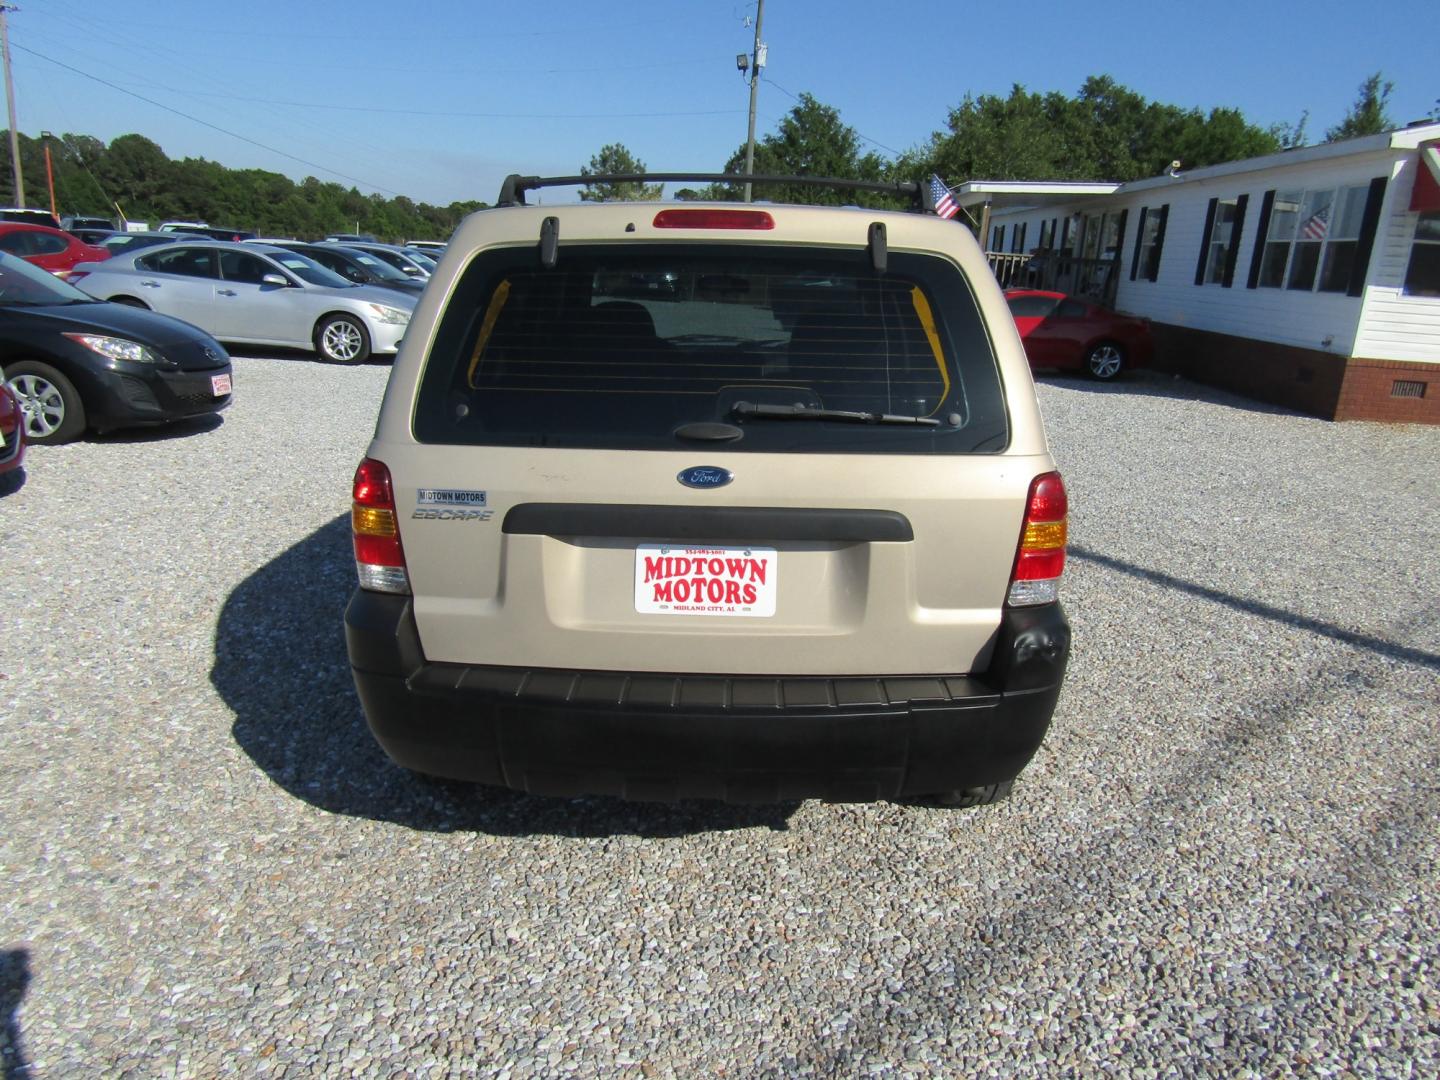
(379, 559)
(714, 219)
(1040, 560)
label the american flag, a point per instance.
(1316, 224)
(945, 204)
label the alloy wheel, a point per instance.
(41, 403)
(1105, 361)
(342, 341)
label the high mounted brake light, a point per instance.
(1040, 560)
(714, 219)
(379, 559)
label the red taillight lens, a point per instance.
(714, 219)
(1040, 560)
(379, 558)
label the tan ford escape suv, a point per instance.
(737, 501)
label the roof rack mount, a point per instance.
(512, 192)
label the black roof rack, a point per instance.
(512, 192)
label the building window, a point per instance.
(1312, 240)
(997, 238)
(1422, 276)
(1149, 242)
(1017, 238)
(1223, 236)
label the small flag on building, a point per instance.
(945, 204)
(1316, 225)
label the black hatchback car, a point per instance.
(76, 363)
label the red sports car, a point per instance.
(51, 249)
(1071, 333)
(12, 430)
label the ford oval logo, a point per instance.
(705, 476)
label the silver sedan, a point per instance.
(254, 294)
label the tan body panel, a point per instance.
(930, 605)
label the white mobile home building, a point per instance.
(1308, 278)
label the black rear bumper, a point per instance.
(647, 736)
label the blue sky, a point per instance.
(440, 99)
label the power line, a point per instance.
(442, 113)
(207, 123)
(861, 134)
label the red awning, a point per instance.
(1426, 195)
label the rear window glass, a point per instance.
(632, 347)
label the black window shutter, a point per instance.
(1257, 253)
(1139, 235)
(1065, 235)
(1368, 224)
(1237, 230)
(1160, 239)
(1120, 235)
(1024, 228)
(1205, 242)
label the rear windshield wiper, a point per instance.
(753, 410)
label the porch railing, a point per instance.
(1057, 271)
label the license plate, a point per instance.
(676, 580)
(220, 385)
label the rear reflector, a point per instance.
(379, 559)
(1040, 559)
(714, 219)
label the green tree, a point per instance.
(811, 140)
(1105, 132)
(615, 160)
(1367, 116)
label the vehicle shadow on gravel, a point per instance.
(280, 665)
(179, 429)
(14, 978)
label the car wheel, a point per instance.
(1105, 361)
(962, 798)
(129, 301)
(53, 411)
(342, 339)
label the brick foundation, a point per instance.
(1307, 380)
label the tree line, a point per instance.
(1105, 131)
(132, 175)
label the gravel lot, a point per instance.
(1223, 861)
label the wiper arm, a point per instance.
(753, 410)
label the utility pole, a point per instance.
(10, 102)
(757, 64)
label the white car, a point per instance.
(255, 295)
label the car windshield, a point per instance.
(309, 271)
(1031, 305)
(380, 268)
(421, 259)
(25, 285)
(638, 347)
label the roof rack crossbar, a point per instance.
(512, 192)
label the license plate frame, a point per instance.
(731, 581)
